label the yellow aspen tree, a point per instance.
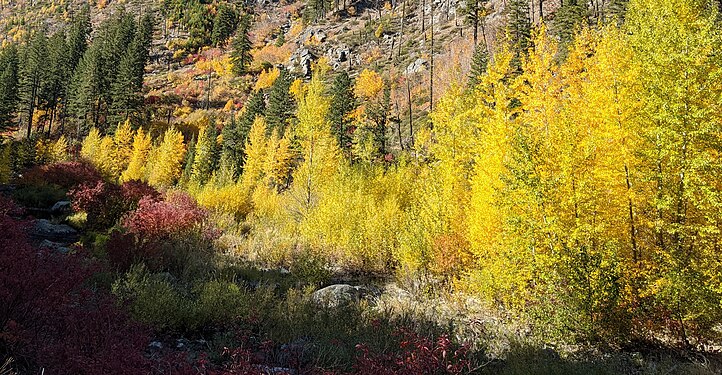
(319, 149)
(493, 279)
(676, 44)
(255, 150)
(142, 145)
(165, 164)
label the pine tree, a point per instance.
(479, 64)
(518, 30)
(85, 89)
(8, 86)
(125, 90)
(343, 103)
(231, 149)
(31, 76)
(617, 10)
(474, 11)
(281, 105)
(241, 56)
(206, 156)
(55, 82)
(566, 21)
(78, 37)
(188, 160)
(224, 24)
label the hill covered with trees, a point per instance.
(413, 187)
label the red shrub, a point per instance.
(134, 191)
(105, 203)
(418, 355)
(156, 219)
(66, 174)
(166, 235)
(51, 319)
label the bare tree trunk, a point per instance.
(411, 117)
(431, 65)
(401, 32)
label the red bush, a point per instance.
(417, 355)
(105, 203)
(51, 319)
(67, 175)
(177, 214)
(166, 235)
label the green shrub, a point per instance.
(41, 196)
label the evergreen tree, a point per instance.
(224, 24)
(126, 90)
(343, 102)
(518, 30)
(617, 10)
(281, 105)
(8, 86)
(188, 162)
(78, 37)
(232, 147)
(31, 76)
(241, 55)
(55, 82)
(566, 21)
(479, 64)
(85, 89)
(206, 155)
(474, 13)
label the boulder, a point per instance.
(59, 233)
(417, 66)
(61, 208)
(342, 294)
(57, 247)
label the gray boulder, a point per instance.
(417, 66)
(343, 294)
(58, 233)
(57, 247)
(62, 208)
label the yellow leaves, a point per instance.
(137, 165)
(297, 89)
(255, 154)
(221, 65)
(266, 79)
(369, 84)
(230, 106)
(165, 161)
(232, 199)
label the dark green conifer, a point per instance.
(8, 86)
(241, 54)
(343, 102)
(224, 24)
(281, 106)
(479, 64)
